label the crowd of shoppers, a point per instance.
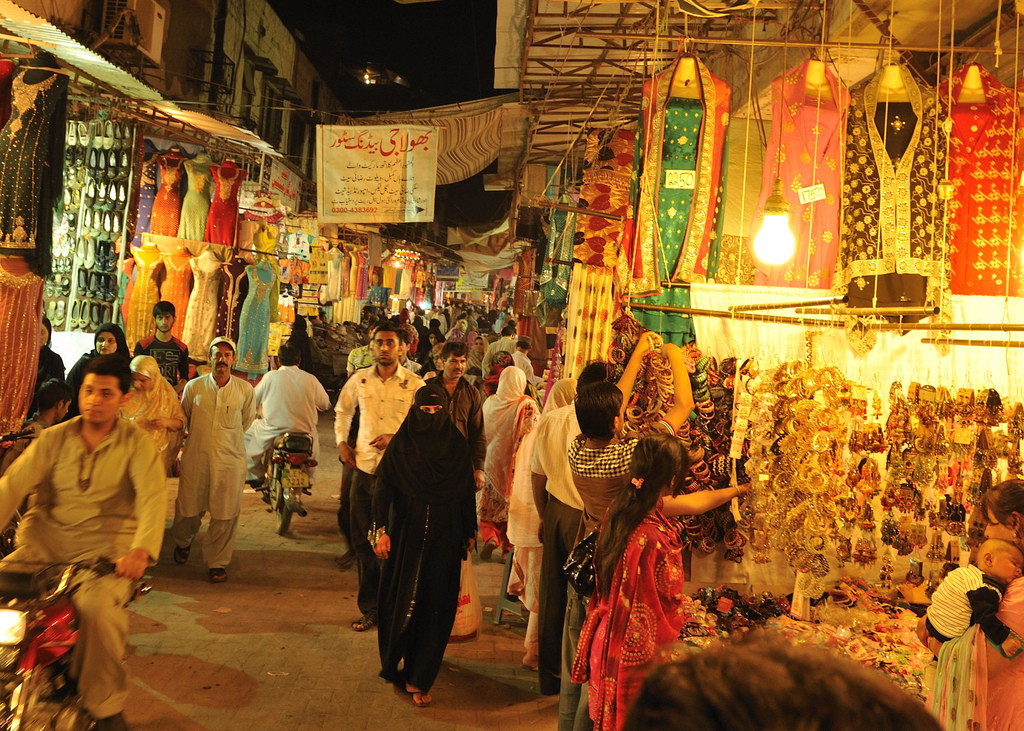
(476, 446)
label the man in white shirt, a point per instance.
(561, 510)
(522, 362)
(505, 344)
(218, 409)
(383, 394)
(288, 400)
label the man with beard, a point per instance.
(465, 406)
(383, 393)
(218, 409)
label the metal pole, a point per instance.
(787, 305)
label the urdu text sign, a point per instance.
(376, 174)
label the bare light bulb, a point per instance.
(774, 243)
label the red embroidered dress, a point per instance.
(223, 218)
(981, 168)
(624, 629)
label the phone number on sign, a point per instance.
(355, 209)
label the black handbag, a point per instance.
(579, 567)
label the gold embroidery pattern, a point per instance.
(904, 232)
(702, 198)
(24, 146)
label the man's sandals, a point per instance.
(367, 621)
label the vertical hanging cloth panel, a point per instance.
(21, 302)
(805, 150)
(984, 253)
(676, 236)
(554, 277)
(592, 308)
(607, 175)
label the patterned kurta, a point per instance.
(31, 147)
(892, 230)
(591, 310)
(805, 149)
(682, 150)
(982, 171)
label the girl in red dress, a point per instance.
(637, 603)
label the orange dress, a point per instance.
(176, 288)
(167, 204)
(144, 295)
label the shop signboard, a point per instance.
(471, 281)
(447, 273)
(376, 173)
(282, 185)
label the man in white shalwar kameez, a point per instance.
(287, 400)
(218, 409)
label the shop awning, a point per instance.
(96, 71)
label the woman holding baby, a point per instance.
(976, 685)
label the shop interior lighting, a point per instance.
(774, 243)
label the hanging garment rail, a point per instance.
(868, 311)
(788, 320)
(787, 305)
(975, 343)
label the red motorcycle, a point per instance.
(38, 632)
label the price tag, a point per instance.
(812, 193)
(680, 179)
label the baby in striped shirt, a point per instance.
(971, 594)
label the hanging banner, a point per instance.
(471, 281)
(282, 185)
(376, 174)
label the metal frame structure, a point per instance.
(584, 61)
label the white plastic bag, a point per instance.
(470, 615)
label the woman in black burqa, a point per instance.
(424, 524)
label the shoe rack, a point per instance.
(99, 158)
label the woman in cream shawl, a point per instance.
(154, 407)
(509, 415)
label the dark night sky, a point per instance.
(445, 48)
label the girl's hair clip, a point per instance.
(638, 482)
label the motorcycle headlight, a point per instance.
(12, 626)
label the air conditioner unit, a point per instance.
(152, 18)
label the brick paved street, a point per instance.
(272, 648)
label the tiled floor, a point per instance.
(272, 648)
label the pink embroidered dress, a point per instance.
(805, 150)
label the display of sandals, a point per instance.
(82, 291)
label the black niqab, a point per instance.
(428, 458)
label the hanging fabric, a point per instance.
(607, 171)
(983, 251)
(554, 277)
(591, 309)
(805, 151)
(681, 151)
(680, 177)
(892, 240)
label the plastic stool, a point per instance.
(504, 604)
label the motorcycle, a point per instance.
(38, 632)
(287, 480)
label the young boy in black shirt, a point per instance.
(170, 353)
